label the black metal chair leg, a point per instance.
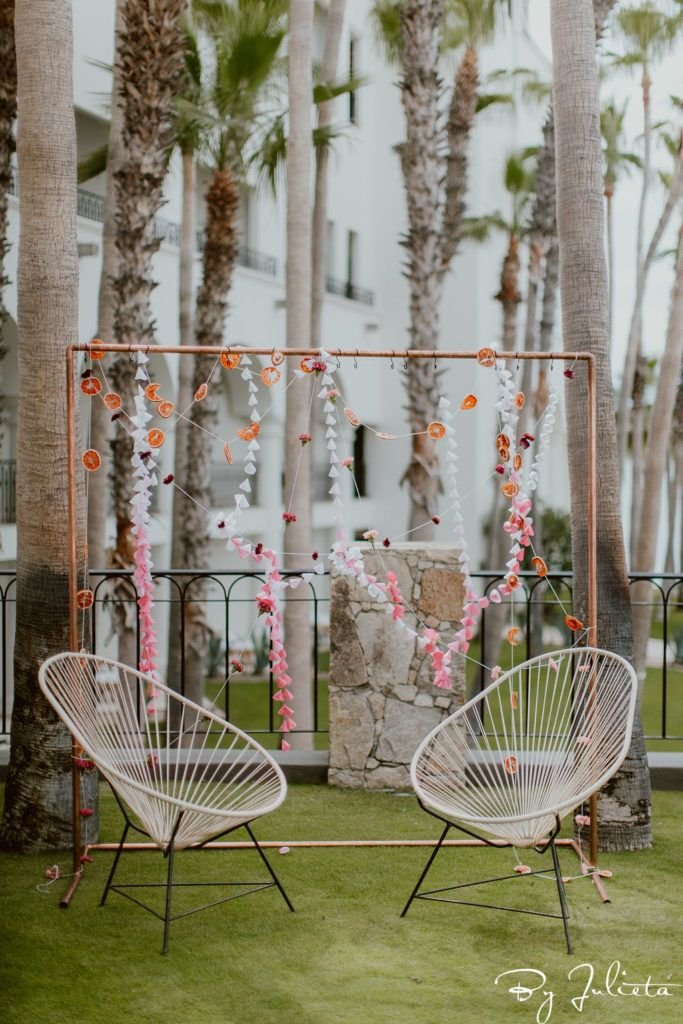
(564, 909)
(169, 891)
(114, 865)
(424, 873)
(269, 868)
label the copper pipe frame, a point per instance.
(339, 353)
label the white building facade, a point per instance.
(367, 299)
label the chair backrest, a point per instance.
(534, 744)
(192, 761)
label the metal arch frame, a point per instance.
(299, 353)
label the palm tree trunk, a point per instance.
(637, 451)
(661, 420)
(624, 804)
(37, 812)
(8, 112)
(98, 485)
(461, 115)
(422, 168)
(633, 343)
(671, 509)
(219, 257)
(297, 624)
(150, 55)
(609, 195)
(335, 21)
(509, 295)
(188, 241)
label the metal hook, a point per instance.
(391, 359)
(355, 361)
(338, 360)
(405, 362)
(517, 358)
(436, 366)
(552, 362)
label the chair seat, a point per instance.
(532, 746)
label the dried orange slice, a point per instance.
(517, 462)
(436, 430)
(510, 489)
(112, 401)
(84, 599)
(230, 360)
(165, 409)
(91, 460)
(201, 392)
(91, 386)
(512, 581)
(270, 376)
(95, 351)
(486, 357)
(152, 392)
(514, 636)
(540, 566)
(510, 764)
(571, 622)
(468, 402)
(277, 358)
(250, 432)
(519, 400)
(502, 441)
(504, 454)
(227, 453)
(351, 417)
(384, 436)
(514, 700)
(305, 365)
(156, 438)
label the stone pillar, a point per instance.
(381, 698)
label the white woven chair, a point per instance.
(524, 752)
(182, 781)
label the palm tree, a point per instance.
(245, 40)
(518, 181)
(37, 811)
(98, 486)
(328, 72)
(624, 806)
(612, 118)
(299, 306)
(150, 56)
(8, 111)
(649, 33)
(415, 32)
(659, 433)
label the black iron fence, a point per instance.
(227, 603)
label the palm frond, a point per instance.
(93, 164)
(386, 21)
(486, 100)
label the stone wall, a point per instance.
(381, 698)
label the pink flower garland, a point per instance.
(142, 575)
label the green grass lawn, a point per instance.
(345, 957)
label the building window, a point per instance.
(353, 65)
(330, 262)
(359, 473)
(351, 261)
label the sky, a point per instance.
(667, 80)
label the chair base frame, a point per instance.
(169, 885)
(434, 895)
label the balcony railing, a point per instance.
(349, 291)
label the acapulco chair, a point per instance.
(518, 757)
(181, 782)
